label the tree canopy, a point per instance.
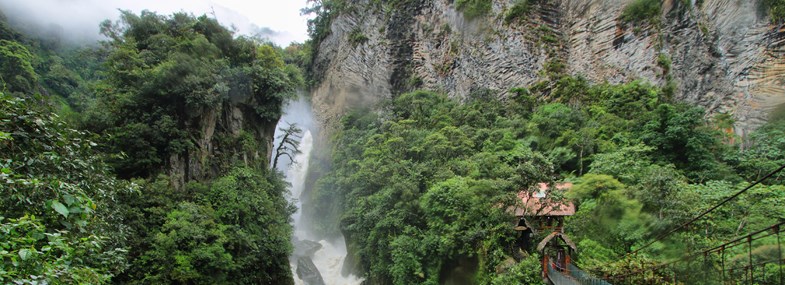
(420, 185)
(87, 140)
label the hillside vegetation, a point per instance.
(91, 144)
(418, 186)
(146, 160)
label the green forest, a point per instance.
(145, 160)
(418, 184)
(415, 186)
(106, 174)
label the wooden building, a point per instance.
(541, 212)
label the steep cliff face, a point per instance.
(225, 136)
(725, 55)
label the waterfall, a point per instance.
(316, 262)
(295, 175)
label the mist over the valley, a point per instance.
(77, 21)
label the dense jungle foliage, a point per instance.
(419, 185)
(86, 136)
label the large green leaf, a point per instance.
(60, 208)
(24, 254)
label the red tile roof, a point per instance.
(539, 204)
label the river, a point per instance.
(328, 258)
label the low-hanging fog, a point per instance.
(77, 21)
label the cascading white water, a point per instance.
(295, 175)
(329, 258)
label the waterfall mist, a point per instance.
(315, 261)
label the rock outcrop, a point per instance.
(230, 134)
(306, 269)
(307, 272)
(725, 54)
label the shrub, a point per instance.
(642, 10)
(16, 70)
(473, 8)
(776, 9)
(665, 62)
(516, 13)
(57, 203)
(549, 39)
(356, 37)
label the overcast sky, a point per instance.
(79, 19)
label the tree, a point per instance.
(764, 153)
(607, 213)
(187, 109)
(58, 203)
(190, 249)
(625, 163)
(429, 170)
(680, 135)
(169, 78)
(256, 214)
(16, 71)
(527, 271)
(289, 145)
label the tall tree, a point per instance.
(289, 145)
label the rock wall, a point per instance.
(229, 135)
(726, 56)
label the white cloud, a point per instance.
(79, 19)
